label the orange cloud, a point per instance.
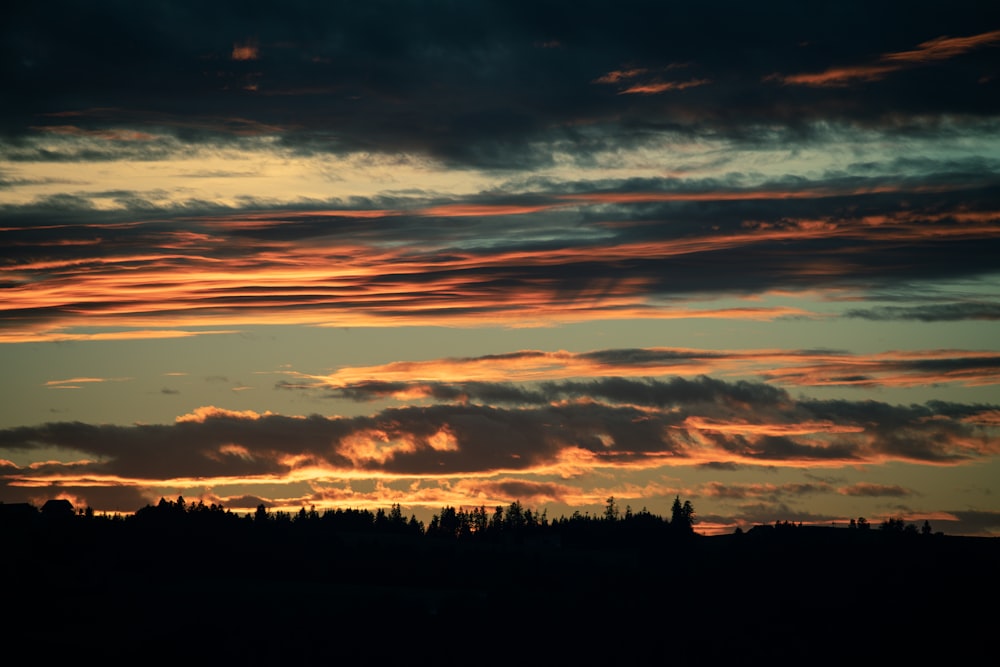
(838, 76)
(474, 454)
(108, 134)
(246, 51)
(617, 76)
(465, 210)
(72, 382)
(133, 334)
(657, 87)
(748, 428)
(898, 369)
(903, 368)
(649, 87)
(200, 415)
(206, 277)
(941, 48)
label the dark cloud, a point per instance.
(770, 491)
(970, 522)
(488, 392)
(124, 498)
(475, 82)
(531, 493)
(722, 466)
(767, 513)
(247, 502)
(794, 367)
(875, 490)
(674, 391)
(944, 312)
(722, 421)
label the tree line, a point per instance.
(512, 522)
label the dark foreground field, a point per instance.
(812, 597)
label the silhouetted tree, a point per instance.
(480, 520)
(260, 516)
(681, 517)
(496, 522)
(396, 515)
(514, 519)
(892, 525)
(611, 510)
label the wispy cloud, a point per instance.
(772, 492)
(644, 81)
(413, 266)
(940, 48)
(464, 376)
(875, 490)
(943, 312)
(78, 382)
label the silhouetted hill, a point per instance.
(234, 590)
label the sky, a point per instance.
(350, 255)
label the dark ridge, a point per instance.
(509, 586)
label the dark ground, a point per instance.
(806, 599)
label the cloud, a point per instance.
(248, 50)
(570, 255)
(532, 494)
(940, 48)
(875, 490)
(770, 491)
(486, 378)
(471, 85)
(971, 522)
(110, 134)
(78, 382)
(946, 312)
(656, 87)
(642, 81)
(200, 415)
(682, 422)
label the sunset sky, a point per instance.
(353, 254)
